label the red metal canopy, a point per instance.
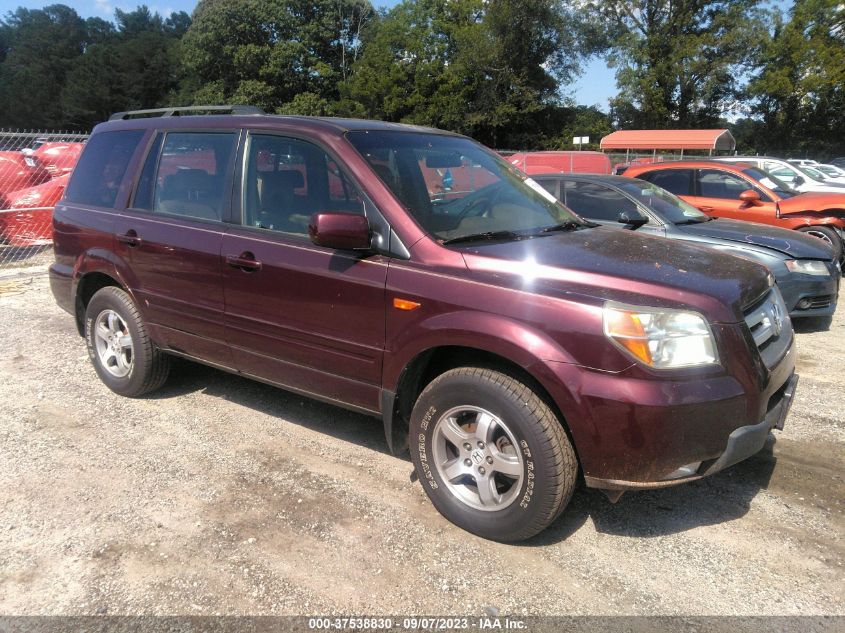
(670, 139)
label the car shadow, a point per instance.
(806, 325)
(722, 497)
(188, 377)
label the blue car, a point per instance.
(803, 266)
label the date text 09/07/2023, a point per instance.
(417, 624)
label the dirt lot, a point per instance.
(220, 495)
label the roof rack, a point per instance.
(186, 110)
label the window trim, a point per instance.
(764, 197)
(125, 180)
(225, 199)
(238, 210)
(692, 184)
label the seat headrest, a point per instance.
(287, 179)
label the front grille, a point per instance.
(770, 326)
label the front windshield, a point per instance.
(665, 203)
(770, 181)
(456, 189)
(813, 174)
(830, 170)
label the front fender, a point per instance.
(513, 340)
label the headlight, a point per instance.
(660, 338)
(807, 267)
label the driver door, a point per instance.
(304, 317)
(717, 193)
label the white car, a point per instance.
(802, 161)
(790, 173)
(831, 171)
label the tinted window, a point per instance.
(101, 168)
(549, 185)
(454, 188)
(596, 202)
(192, 174)
(669, 207)
(678, 181)
(143, 198)
(286, 180)
(713, 183)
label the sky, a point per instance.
(594, 87)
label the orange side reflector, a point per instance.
(404, 304)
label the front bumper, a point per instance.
(742, 443)
(808, 296)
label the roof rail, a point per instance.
(186, 110)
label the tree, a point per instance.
(42, 45)
(135, 65)
(678, 61)
(799, 90)
(482, 67)
(267, 52)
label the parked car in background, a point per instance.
(819, 175)
(744, 192)
(58, 158)
(513, 347)
(565, 162)
(793, 175)
(832, 171)
(26, 215)
(16, 173)
(803, 267)
(838, 162)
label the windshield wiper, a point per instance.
(566, 226)
(694, 221)
(487, 236)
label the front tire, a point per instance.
(491, 455)
(828, 235)
(125, 358)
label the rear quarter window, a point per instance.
(97, 177)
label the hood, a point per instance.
(814, 201)
(606, 263)
(790, 243)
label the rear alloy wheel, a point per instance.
(126, 359)
(491, 455)
(827, 234)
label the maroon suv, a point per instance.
(414, 275)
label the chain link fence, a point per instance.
(34, 170)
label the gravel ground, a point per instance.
(218, 495)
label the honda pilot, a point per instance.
(414, 275)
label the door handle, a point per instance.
(706, 209)
(245, 261)
(130, 238)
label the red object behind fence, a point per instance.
(27, 217)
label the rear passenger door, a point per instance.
(172, 233)
(298, 315)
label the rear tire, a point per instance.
(491, 455)
(828, 235)
(125, 358)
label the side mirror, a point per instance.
(343, 231)
(632, 219)
(798, 181)
(750, 197)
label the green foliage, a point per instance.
(677, 61)
(799, 89)
(484, 68)
(41, 46)
(270, 52)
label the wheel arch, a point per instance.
(427, 364)
(86, 287)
